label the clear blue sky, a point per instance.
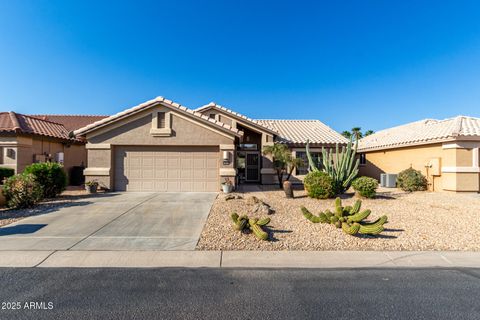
(365, 63)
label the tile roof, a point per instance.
(299, 131)
(422, 132)
(213, 105)
(11, 122)
(142, 106)
(70, 122)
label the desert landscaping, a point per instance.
(416, 221)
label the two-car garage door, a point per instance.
(166, 169)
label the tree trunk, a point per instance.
(287, 187)
(280, 179)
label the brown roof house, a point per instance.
(446, 151)
(25, 139)
(161, 145)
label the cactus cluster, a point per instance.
(340, 165)
(241, 223)
(349, 218)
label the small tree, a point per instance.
(283, 162)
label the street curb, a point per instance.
(240, 259)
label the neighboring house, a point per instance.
(160, 145)
(26, 139)
(446, 151)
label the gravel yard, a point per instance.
(417, 221)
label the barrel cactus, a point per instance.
(349, 218)
(241, 223)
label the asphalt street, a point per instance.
(37, 293)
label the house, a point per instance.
(161, 145)
(446, 151)
(25, 139)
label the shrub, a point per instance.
(6, 173)
(51, 176)
(22, 191)
(365, 186)
(411, 180)
(319, 185)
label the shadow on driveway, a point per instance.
(21, 229)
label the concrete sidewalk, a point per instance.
(241, 259)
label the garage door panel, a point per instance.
(161, 169)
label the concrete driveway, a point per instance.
(115, 221)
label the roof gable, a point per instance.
(158, 101)
(238, 116)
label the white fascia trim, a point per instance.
(96, 171)
(99, 146)
(461, 145)
(460, 170)
(229, 172)
(227, 147)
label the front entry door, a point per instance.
(252, 166)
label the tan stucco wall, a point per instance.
(135, 130)
(456, 158)
(26, 147)
(396, 160)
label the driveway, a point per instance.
(115, 221)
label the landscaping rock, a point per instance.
(263, 208)
(233, 197)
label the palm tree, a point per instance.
(357, 133)
(347, 134)
(368, 132)
(283, 162)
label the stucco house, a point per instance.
(446, 151)
(163, 146)
(26, 139)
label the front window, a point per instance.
(363, 159)
(248, 146)
(317, 159)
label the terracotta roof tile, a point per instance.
(422, 132)
(11, 122)
(70, 122)
(299, 131)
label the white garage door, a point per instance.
(166, 169)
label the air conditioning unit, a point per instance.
(390, 180)
(59, 157)
(383, 180)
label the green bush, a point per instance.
(51, 176)
(6, 173)
(319, 185)
(365, 186)
(22, 191)
(411, 180)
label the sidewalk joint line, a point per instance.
(43, 260)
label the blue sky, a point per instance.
(372, 64)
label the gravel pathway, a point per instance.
(417, 221)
